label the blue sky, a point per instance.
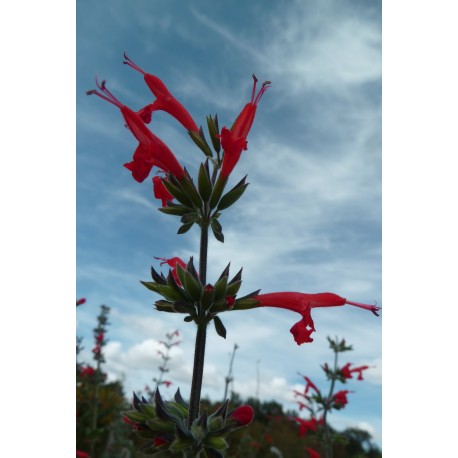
(309, 221)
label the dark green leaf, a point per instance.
(219, 326)
(184, 228)
(214, 132)
(232, 196)
(217, 192)
(204, 183)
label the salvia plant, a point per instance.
(179, 427)
(320, 404)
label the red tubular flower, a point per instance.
(100, 337)
(80, 301)
(347, 372)
(158, 441)
(243, 415)
(151, 151)
(303, 303)
(172, 262)
(167, 383)
(307, 425)
(160, 191)
(310, 384)
(312, 453)
(340, 398)
(165, 101)
(234, 140)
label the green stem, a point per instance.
(328, 444)
(201, 336)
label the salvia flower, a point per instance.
(172, 262)
(151, 150)
(87, 371)
(234, 140)
(310, 384)
(80, 301)
(340, 399)
(307, 425)
(165, 101)
(160, 191)
(80, 454)
(303, 303)
(243, 415)
(347, 372)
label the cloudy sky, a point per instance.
(309, 221)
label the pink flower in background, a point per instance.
(165, 101)
(100, 337)
(167, 383)
(87, 371)
(303, 303)
(234, 140)
(80, 301)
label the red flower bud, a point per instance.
(243, 415)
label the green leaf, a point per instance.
(204, 183)
(220, 288)
(213, 130)
(184, 228)
(189, 218)
(217, 192)
(233, 288)
(177, 192)
(219, 326)
(175, 209)
(233, 195)
(189, 188)
(200, 141)
(217, 230)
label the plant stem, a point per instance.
(328, 444)
(201, 336)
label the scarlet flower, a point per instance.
(307, 425)
(80, 301)
(310, 384)
(340, 398)
(167, 383)
(96, 350)
(151, 151)
(80, 454)
(234, 140)
(243, 415)
(165, 101)
(303, 303)
(347, 372)
(160, 191)
(100, 337)
(312, 453)
(172, 262)
(87, 371)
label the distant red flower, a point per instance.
(96, 350)
(312, 453)
(230, 301)
(302, 406)
(87, 371)
(347, 372)
(80, 454)
(340, 398)
(167, 383)
(100, 337)
(165, 101)
(172, 262)
(243, 415)
(267, 438)
(303, 303)
(160, 191)
(234, 140)
(151, 151)
(80, 301)
(310, 384)
(307, 425)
